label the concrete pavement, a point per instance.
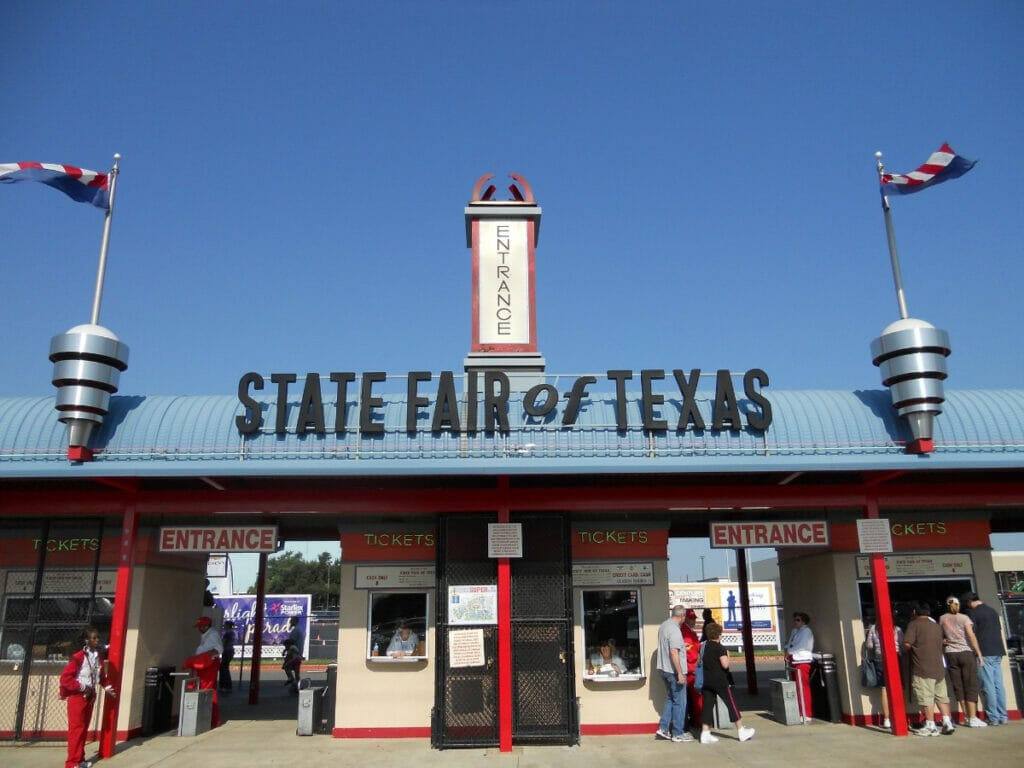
(264, 736)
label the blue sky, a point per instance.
(294, 176)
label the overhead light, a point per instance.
(790, 478)
(212, 483)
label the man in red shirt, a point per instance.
(691, 642)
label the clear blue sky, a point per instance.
(294, 175)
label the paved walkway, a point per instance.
(264, 736)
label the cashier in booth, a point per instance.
(606, 661)
(404, 642)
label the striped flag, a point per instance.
(77, 183)
(943, 165)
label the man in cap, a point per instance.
(206, 661)
(990, 639)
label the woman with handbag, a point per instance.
(78, 681)
(715, 679)
(872, 670)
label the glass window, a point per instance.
(612, 644)
(397, 626)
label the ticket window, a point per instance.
(612, 643)
(397, 626)
(904, 593)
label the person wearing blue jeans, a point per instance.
(671, 663)
(990, 640)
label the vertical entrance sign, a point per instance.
(503, 236)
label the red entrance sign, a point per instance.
(778, 533)
(202, 538)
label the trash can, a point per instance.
(785, 708)
(311, 707)
(157, 700)
(825, 688)
(196, 714)
(330, 697)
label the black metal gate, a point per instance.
(466, 711)
(41, 616)
(543, 683)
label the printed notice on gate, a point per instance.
(874, 535)
(465, 648)
(504, 539)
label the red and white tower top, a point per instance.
(503, 235)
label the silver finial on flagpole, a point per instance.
(88, 360)
(910, 354)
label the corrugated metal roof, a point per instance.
(811, 430)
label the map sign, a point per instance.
(473, 604)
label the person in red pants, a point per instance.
(78, 681)
(206, 662)
(799, 655)
(691, 642)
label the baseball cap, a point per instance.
(952, 601)
(691, 614)
(203, 621)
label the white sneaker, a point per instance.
(682, 738)
(887, 723)
(976, 722)
(746, 734)
(707, 737)
(660, 734)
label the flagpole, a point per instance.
(894, 256)
(105, 244)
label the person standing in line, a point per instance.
(718, 683)
(923, 641)
(691, 645)
(671, 665)
(228, 642)
(293, 647)
(205, 662)
(78, 681)
(990, 639)
(707, 617)
(873, 656)
(963, 657)
(799, 654)
(730, 602)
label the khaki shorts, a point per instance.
(928, 691)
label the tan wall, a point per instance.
(165, 602)
(378, 694)
(626, 702)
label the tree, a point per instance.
(289, 574)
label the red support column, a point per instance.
(504, 631)
(119, 625)
(257, 637)
(886, 630)
(747, 629)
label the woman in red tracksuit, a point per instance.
(78, 681)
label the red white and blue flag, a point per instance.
(943, 165)
(77, 183)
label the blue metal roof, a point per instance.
(167, 436)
